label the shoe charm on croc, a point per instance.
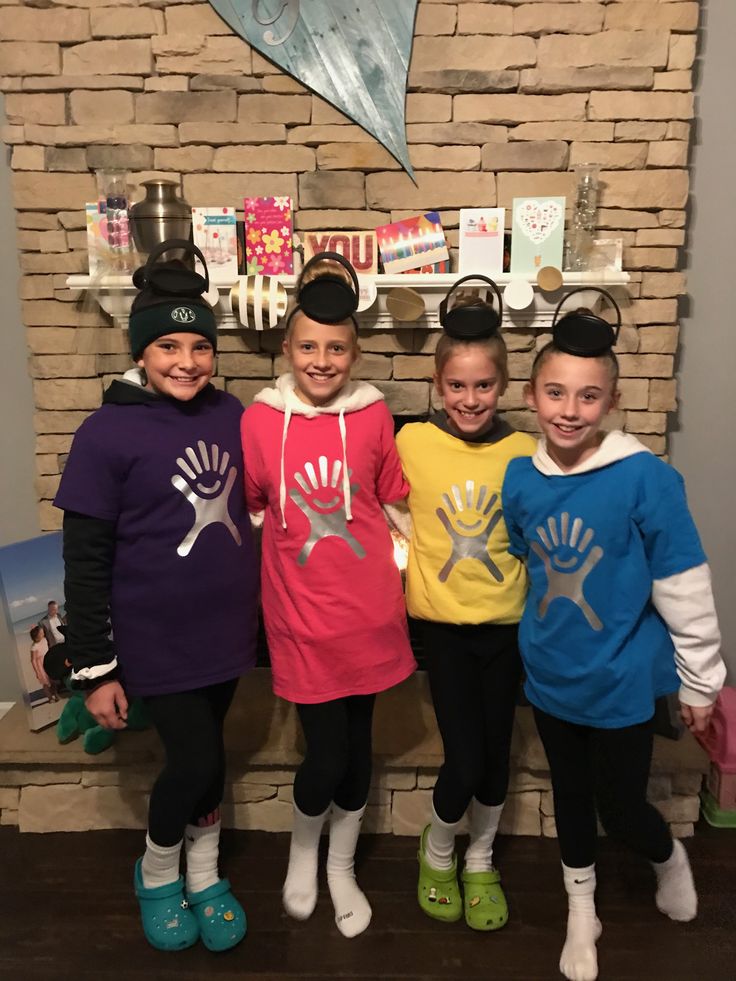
(221, 918)
(168, 923)
(484, 901)
(438, 892)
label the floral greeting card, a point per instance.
(268, 236)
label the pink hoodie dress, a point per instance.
(332, 598)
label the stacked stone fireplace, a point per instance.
(503, 99)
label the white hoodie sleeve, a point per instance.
(685, 603)
(399, 517)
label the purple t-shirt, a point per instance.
(185, 574)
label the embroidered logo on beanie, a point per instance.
(183, 315)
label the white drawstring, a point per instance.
(282, 478)
(345, 474)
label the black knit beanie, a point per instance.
(170, 301)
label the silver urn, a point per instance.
(161, 215)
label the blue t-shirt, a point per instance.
(596, 651)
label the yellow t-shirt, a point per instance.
(460, 570)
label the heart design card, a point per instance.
(537, 234)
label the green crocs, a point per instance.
(484, 902)
(438, 892)
(221, 918)
(168, 923)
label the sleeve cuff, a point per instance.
(695, 698)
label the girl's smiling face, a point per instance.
(321, 357)
(178, 365)
(470, 385)
(572, 396)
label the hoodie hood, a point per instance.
(352, 397)
(131, 390)
(615, 446)
(499, 430)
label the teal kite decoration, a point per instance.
(353, 53)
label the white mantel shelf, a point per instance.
(115, 295)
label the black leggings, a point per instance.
(608, 768)
(337, 764)
(474, 674)
(191, 784)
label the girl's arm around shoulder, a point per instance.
(517, 476)
(391, 485)
(251, 432)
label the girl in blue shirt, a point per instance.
(620, 605)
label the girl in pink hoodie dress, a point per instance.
(321, 463)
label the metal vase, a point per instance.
(161, 215)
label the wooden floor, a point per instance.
(67, 912)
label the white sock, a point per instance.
(352, 910)
(484, 822)
(202, 848)
(160, 865)
(676, 896)
(439, 845)
(300, 888)
(579, 958)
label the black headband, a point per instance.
(173, 278)
(328, 298)
(585, 335)
(471, 323)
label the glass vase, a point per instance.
(581, 230)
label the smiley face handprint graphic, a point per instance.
(321, 500)
(469, 520)
(207, 489)
(569, 557)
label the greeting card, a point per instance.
(359, 248)
(481, 241)
(413, 244)
(268, 236)
(215, 234)
(537, 234)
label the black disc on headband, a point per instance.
(471, 323)
(328, 298)
(583, 333)
(172, 278)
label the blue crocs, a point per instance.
(221, 918)
(168, 923)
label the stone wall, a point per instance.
(503, 98)
(45, 786)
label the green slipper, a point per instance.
(484, 902)
(438, 892)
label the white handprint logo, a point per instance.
(322, 502)
(205, 490)
(469, 523)
(568, 560)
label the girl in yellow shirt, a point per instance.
(469, 592)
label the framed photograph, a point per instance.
(32, 587)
